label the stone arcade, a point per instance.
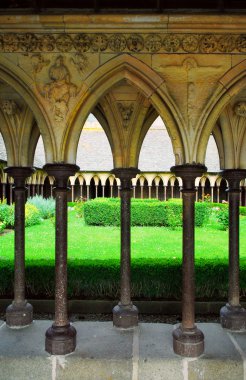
(126, 69)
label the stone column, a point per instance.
(96, 191)
(149, 192)
(103, 191)
(42, 190)
(218, 194)
(51, 191)
(212, 194)
(187, 339)
(61, 336)
(28, 191)
(88, 192)
(125, 314)
(202, 193)
(233, 315)
(19, 313)
(165, 193)
(141, 191)
(4, 190)
(72, 193)
(111, 191)
(172, 191)
(134, 191)
(33, 190)
(10, 193)
(81, 191)
(157, 192)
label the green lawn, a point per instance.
(93, 258)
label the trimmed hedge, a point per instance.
(100, 279)
(150, 212)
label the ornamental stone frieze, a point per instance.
(119, 42)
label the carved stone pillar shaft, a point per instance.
(187, 339)
(125, 314)
(61, 336)
(19, 313)
(233, 316)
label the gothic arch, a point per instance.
(229, 86)
(23, 85)
(139, 75)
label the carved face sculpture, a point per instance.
(9, 107)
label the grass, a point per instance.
(93, 260)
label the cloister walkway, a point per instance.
(106, 353)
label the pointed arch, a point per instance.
(23, 85)
(229, 86)
(137, 74)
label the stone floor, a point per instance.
(106, 353)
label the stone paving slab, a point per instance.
(106, 353)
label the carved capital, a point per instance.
(234, 177)
(61, 172)
(125, 175)
(9, 107)
(188, 173)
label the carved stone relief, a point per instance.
(80, 61)
(60, 89)
(126, 111)
(153, 43)
(240, 109)
(117, 42)
(38, 62)
(9, 107)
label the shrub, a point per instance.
(2, 227)
(32, 215)
(242, 210)
(223, 218)
(79, 208)
(150, 212)
(4, 211)
(45, 206)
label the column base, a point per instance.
(125, 316)
(19, 315)
(233, 318)
(188, 342)
(60, 340)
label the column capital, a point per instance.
(61, 172)
(188, 173)
(234, 176)
(19, 173)
(125, 175)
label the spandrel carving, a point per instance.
(126, 111)
(60, 89)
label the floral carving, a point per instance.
(80, 61)
(241, 43)
(240, 109)
(226, 43)
(153, 43)
(126, 111)
(82, 43)
(64, 43)
(208, 44)
(99, 42)
(28, 42)
(190, 43)
(171, 43)
(10, 42)
(60, 89)
(117, 42)
(135, 43)
(47, 42)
